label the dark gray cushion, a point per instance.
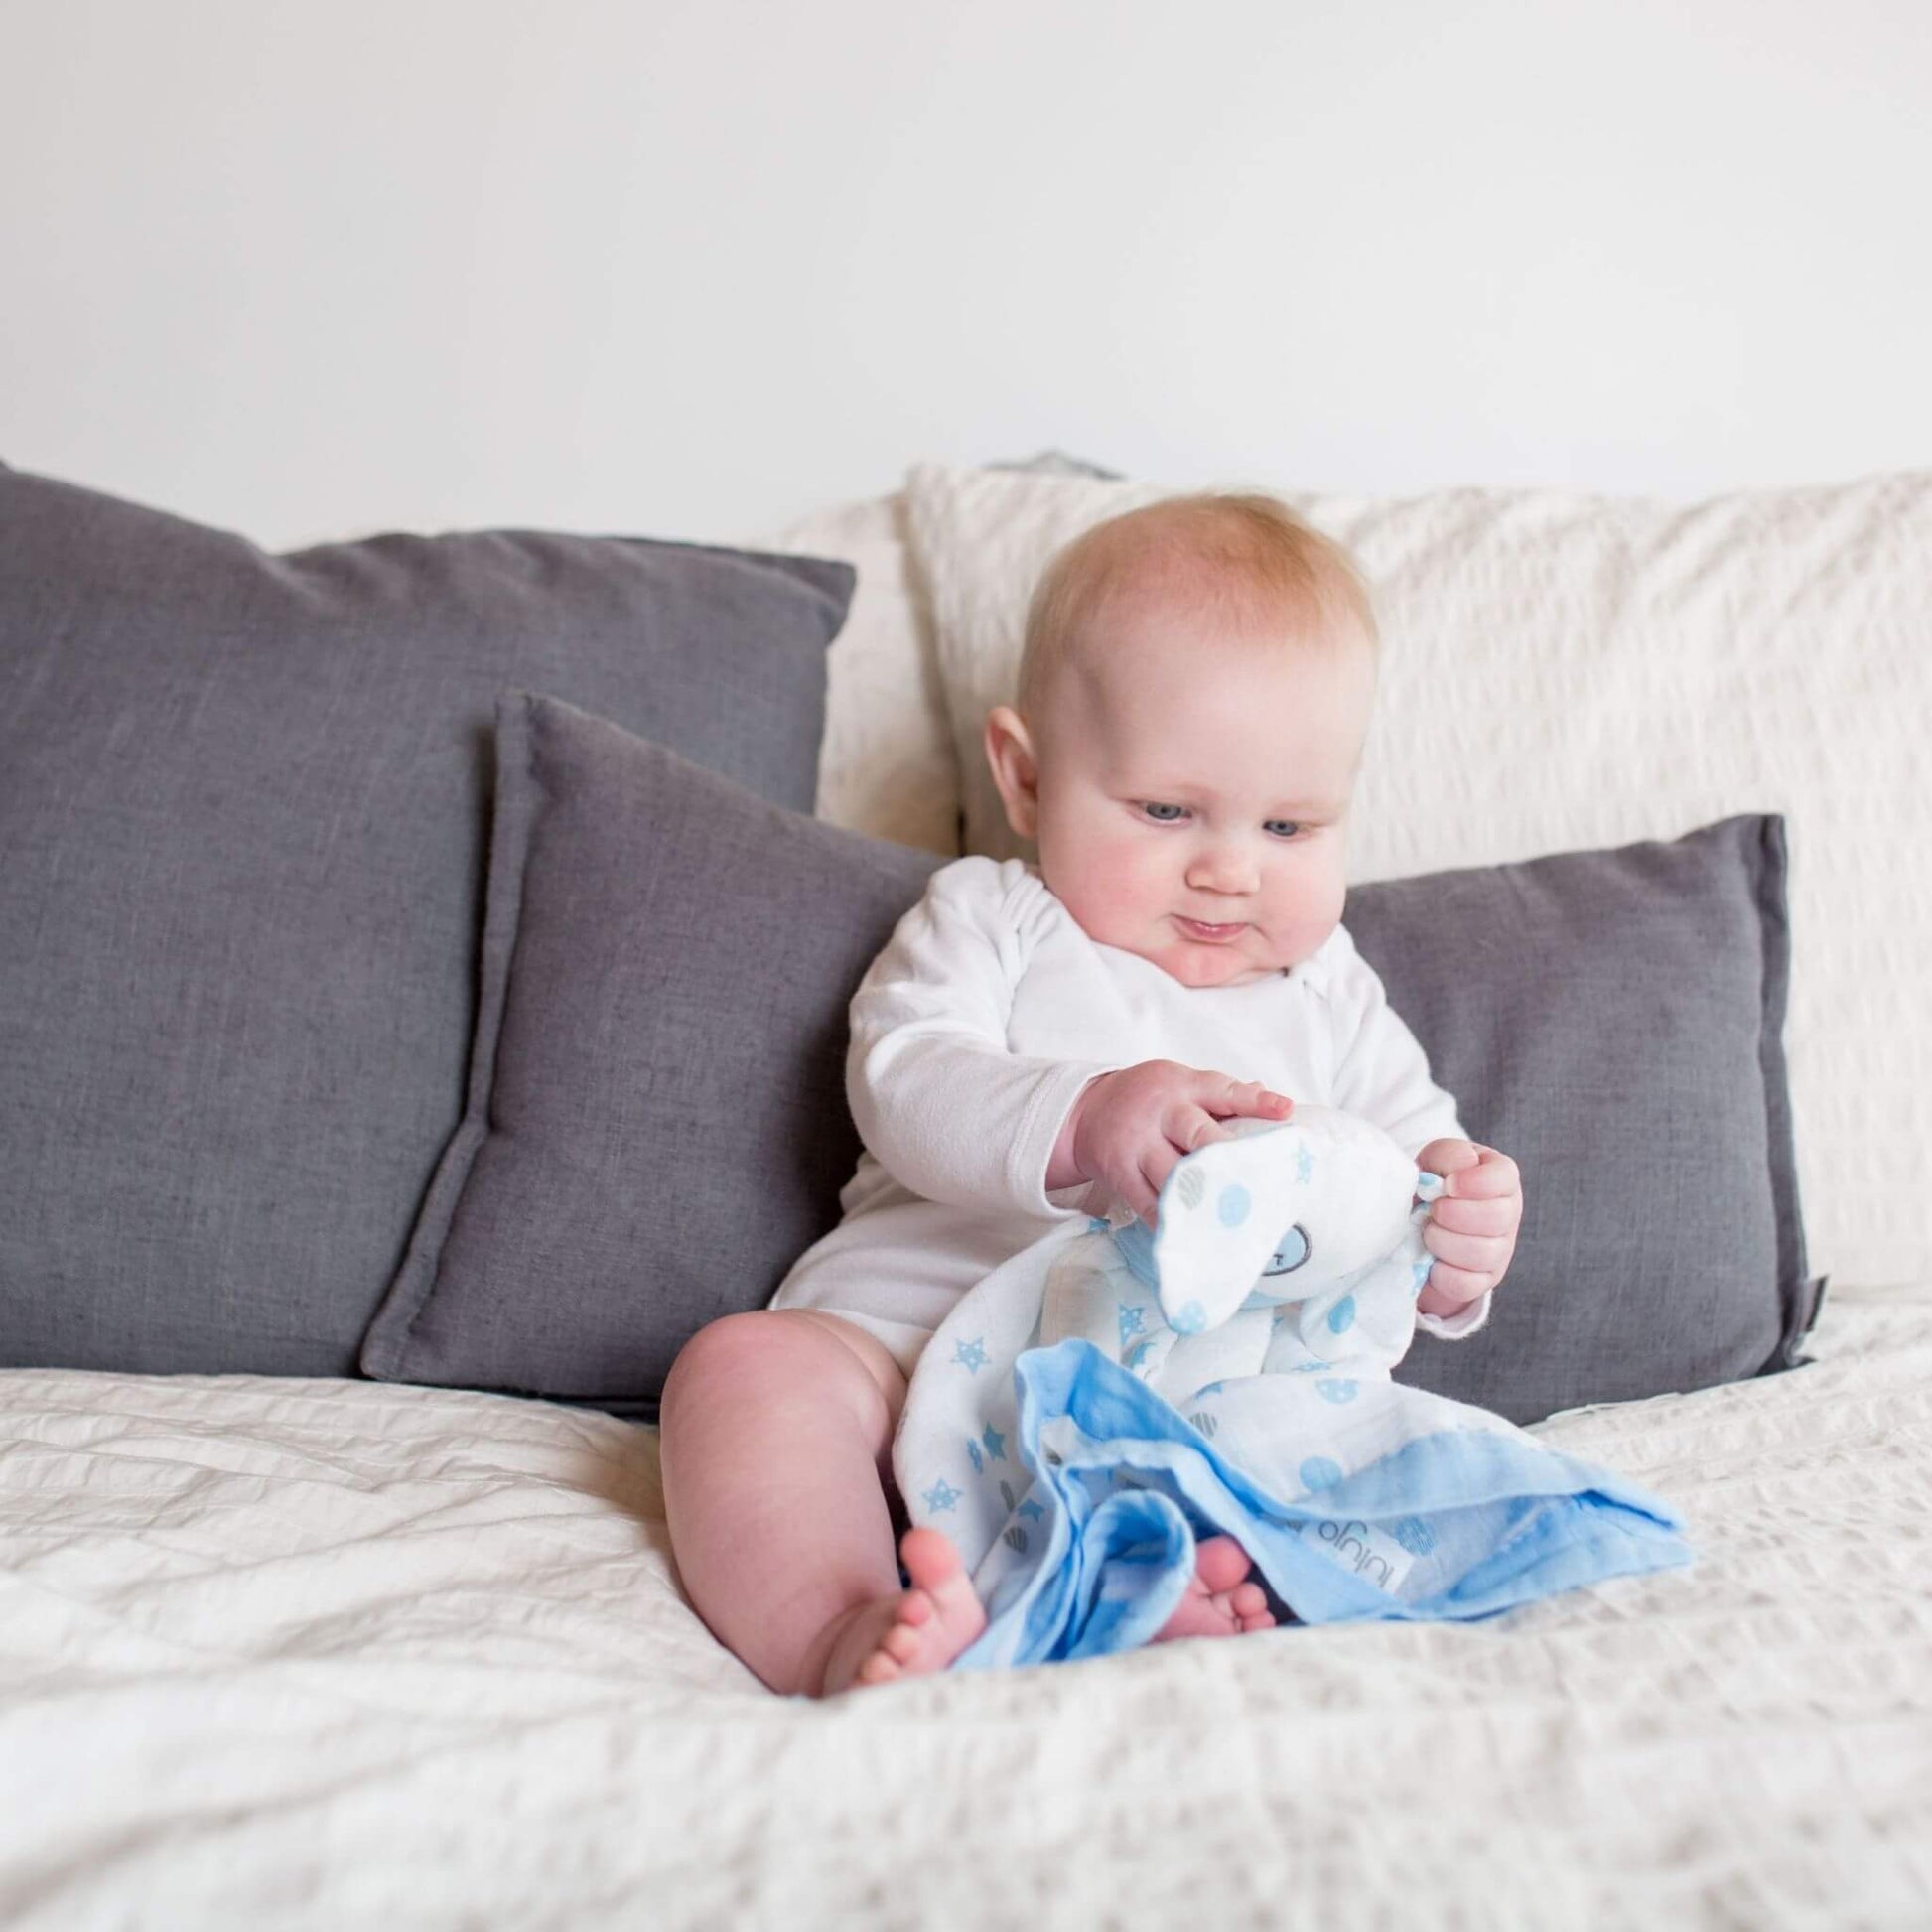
(658, 1124)
(1614, 1021)
(244, 802)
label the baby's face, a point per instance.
(1193, 791)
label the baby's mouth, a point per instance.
(1208, 934)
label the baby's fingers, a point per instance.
(1475, 1254)
(1449, 1289)
(1460, 1216)
(1449, 1157)
(1190, 1127)
(1223, 1097)
(1494, 1177)
(1151, 1175)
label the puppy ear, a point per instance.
(1220, 1222)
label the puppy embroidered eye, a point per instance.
(1293, 1253)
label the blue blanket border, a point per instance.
(1110, 1570)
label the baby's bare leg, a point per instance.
(777, 1431)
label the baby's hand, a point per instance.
(1471, 1226)
(1128, 1129)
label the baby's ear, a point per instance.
(1016, 769)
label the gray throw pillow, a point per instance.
(1614, 1021)
(245, 802)
(658, 1124)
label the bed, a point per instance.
(315, 1649)
(330, 1653)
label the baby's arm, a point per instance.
(1382, 1074)
(951, 1111)
(940, 1099)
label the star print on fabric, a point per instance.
(979, 1462)
(1133, 1321)
(970, 1355)
(996, 1443)
(1415, 1536)
(1032, 1509)
(1304, 1166)
(1420, 1275)
(942, 1495)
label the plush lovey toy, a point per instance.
(1289, 1248)
(1107, 1397)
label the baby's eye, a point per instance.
(1282, 828)
(1165, 814)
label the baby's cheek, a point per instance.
(1103, 881)
(1311, 905)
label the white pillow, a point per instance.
(886, 763)
(1563, 672)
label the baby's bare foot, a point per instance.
(911, 1632)
(1220, 1604)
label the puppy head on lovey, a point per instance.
(1280, 1212)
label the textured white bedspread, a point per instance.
(314, 1653)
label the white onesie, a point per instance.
(974, 1031)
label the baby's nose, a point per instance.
(1224, 868)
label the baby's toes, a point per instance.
(1220, 1564)
(1247, 1599)
(901, 1643)
(877, 1668)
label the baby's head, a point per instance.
(1193, 697)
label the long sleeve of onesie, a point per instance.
(938, 1095)
(1382, 1074)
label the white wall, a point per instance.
(693, 268)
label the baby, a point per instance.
(1039, 1042)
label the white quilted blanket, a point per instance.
(332, 1654)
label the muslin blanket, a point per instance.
(1107, 1397)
